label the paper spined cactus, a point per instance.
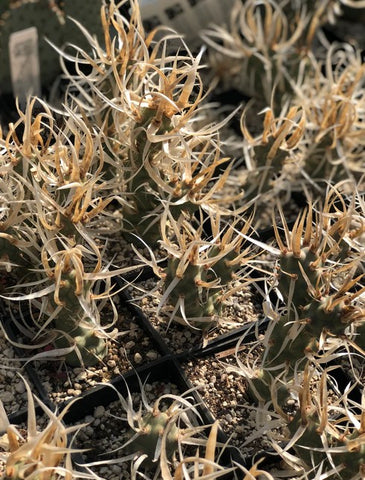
(42, 454)
(57, 196)
(158, 432)
(315, 280)
(202, 272)
(325, 436)
(148, 106)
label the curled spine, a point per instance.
(42, 454)
(327, 435)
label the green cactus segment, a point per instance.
(290, 343)
(259, 85)
(153, 427)
(309, 445)
(89, 347)
(269, 159)
(10, 252)
(149, 193)
(301, 337)
(295, 348)
(347, 452)
(292, 268)
(311, 314)
(315, 311)
(200, 304)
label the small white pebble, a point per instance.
(89, 431)
(81, 376)
(116, 469)
(151, 355)
(8, 352)
(138, 358)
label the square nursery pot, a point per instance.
(20, 413)
(173, 337)
(56, 382)
(163, 371)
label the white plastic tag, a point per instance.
(24, 64)
(187, 17)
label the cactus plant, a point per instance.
(147, 105)
(305, 146)
(329, 438)
(262, 47)
(268, 45)
(270, 158)
(314, 312)
(133, 130)
(201, 273)
(202, 468)
(61, 193)
(156, 434)
(45, 454)
(333, 104)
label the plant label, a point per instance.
(24, 64)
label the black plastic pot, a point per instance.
(222, 341)
(167, 370)
(31, 374)
(147, 339)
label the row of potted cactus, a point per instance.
(136, 133)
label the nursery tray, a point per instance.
(20, 415)
(177, 339)
(222, 341)
(31, 372)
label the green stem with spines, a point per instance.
(146, 206)
(312, 449)
(297, 332)
(88, 346)
(200, 301)
(140, 185)
(152, 428)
